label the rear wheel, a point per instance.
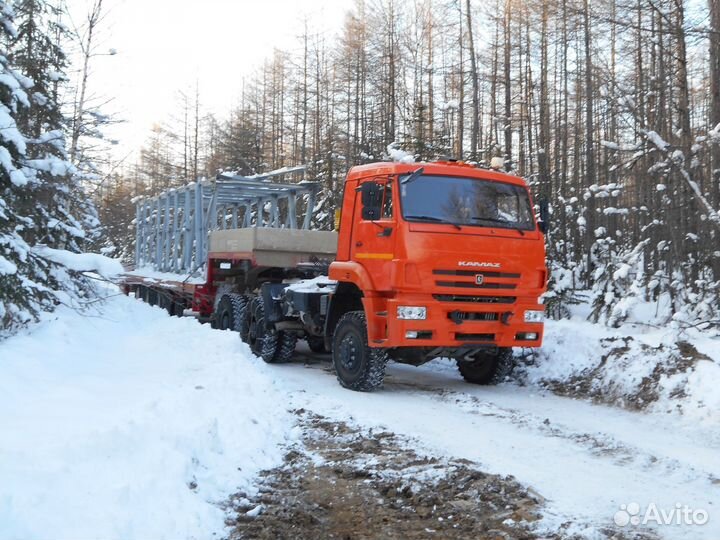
(285, 347)
(358, 366)
(487, 367)
(244, 326)
(263, 342)
(232, 313)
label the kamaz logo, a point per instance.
(477, 264)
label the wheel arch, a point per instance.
(347, 297)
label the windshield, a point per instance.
(465, 201)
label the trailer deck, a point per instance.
(283, 248)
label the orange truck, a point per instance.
(430, 260)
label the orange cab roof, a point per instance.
(436, 168)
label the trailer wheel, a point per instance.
(232, 313)
(357, 365)
(263, 342)
(166, 302)
(178, 307)
(151, 296)
(487, 367)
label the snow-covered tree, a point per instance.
(36, 182)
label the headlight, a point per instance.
(411, 312)
(534, 316)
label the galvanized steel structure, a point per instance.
(172, 228)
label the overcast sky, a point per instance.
(166, 45)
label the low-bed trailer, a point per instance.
(431, 260)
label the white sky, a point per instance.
(166, 45)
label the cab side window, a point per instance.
(387, 204)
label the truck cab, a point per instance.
(445, 260)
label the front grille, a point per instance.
(475, 299)
(470, 285)
(475, 273)
(475, 337)
(478, 279)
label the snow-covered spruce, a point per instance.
(38, 195)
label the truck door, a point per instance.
(373, 236)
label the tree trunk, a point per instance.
(589, 142)
(475, 125)
(508, 94)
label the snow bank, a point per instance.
(631, 367)
(130, 425)
(81, 262)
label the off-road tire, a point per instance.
(178, 308)
(357, 365)
(263, 342)
(316, 344)
(231, 313)
(140, 293)
(487, 368)
(285, 347)
(244, 317)
(151, 296)
(166, 302)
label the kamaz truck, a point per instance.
(429, 260)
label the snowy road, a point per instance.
(585, 459)
(131, 424)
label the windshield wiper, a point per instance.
(500, 220)
(436, 219)
(412, 176)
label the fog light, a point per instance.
(411, 334)
(534, 316)
(411, 312)
(531, 336)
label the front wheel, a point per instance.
(357, 365)
(487, 367)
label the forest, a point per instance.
(610, 110)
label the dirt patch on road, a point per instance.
(345, 483)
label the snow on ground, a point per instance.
(637, 367)
(128, 424)
(585, 459)
(131, 424)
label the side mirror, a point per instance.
(371, 198)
